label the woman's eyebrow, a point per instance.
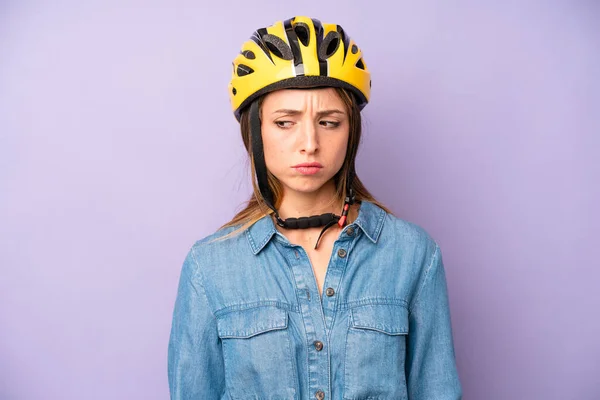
(288, 111)
(330, 112)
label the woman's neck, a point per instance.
(298, 204)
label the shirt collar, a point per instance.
(370, 220)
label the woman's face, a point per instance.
(305, 136)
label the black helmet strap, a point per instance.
(259, 156)
(326, 220)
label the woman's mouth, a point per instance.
(308, 168)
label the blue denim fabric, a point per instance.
(248, 314)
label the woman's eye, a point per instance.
(283, 124)
(330, 124)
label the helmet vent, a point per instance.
(243, 70)
(249, 54)
(278, 47)
(303, 33)
(360, 64)
(354, 49)
(342, 33)
(330, 45)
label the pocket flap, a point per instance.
(251, 322)
(387, 318)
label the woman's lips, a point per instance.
(308, 168)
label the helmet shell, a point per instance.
(299, 52)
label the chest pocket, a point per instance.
(257, 353)
(376, 352)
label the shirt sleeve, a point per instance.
(431, 371)
(195, 359)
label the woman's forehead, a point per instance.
(302, 98)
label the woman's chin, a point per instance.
(306, 189)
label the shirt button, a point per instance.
(318, 345)
(342, 253)
(330, 292)
(320, 395)
(350, 231)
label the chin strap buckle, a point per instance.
(349, 200)
(344, 216)
(279, 221)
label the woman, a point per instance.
(314, 290)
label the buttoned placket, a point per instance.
(318, 313)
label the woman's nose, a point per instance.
(310, 143)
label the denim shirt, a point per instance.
(249, 322)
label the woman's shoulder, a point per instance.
(403, 232)
(406, 240)
(220, 249)
(408, 229)
(223, 239)
(392, 233)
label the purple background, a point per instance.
(118, 150)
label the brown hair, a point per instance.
(256, 207)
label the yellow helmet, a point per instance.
(297, 52)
